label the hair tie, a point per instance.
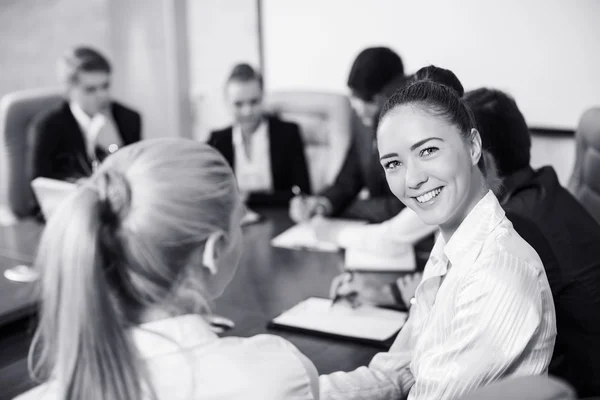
(115, 197)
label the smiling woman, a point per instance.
(432, 156)
(484, 309)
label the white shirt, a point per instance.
(98, 130)
(393, 237)
(253, 172)
(186, 360)
(492, 317)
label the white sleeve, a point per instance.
(392, 237)
(388, 376)
(498, 312)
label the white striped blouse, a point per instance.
(492, 317)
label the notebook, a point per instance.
(50, 193)
(303, 237)
(365, 324)
(357, 260)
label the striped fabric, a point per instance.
(483, 311)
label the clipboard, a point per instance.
(369, 325)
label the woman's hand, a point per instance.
(370, 288)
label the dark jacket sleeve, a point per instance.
(42, 144)
(348, 183)
(299, 166)
(290, 143)
(137, 131)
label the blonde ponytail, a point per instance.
(81, 338)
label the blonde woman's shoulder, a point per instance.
(46, 391)
(278, 364)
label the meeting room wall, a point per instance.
(35, 32)
(220, 35)
(543, 52)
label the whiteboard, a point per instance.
(546, 53)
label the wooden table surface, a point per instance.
(268, 281)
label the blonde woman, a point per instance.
(128, 264)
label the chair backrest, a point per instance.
(325, 120)
(585, 180)
(17, 110)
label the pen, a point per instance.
(297, 191)
(347, 279)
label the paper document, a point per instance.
(50, 193)
(357, 260)
(365, 322)
(251, 217)
(303, 237)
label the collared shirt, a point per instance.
(186, 360)
(483, 311)
(253, 171)
(99, 130)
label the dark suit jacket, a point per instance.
(57, 143)
(288, 161)
(575, 238)
(362, 169)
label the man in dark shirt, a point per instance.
(573, 234)
(360, 191)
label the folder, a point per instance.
(364, 324)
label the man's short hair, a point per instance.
(245, 73)
(503, 129)
(372, 70)
(83, 59)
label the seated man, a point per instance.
(570, 229)
(69, 141)
(361, 173)
(266, 153)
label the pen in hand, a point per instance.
(351, 296)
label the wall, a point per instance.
(544, 52)
(35, 32)
(151, 68)
(220, 34)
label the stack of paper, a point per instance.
(357, 260)
(303, 236)
(363, 323)
(251, 217)
(50, 193)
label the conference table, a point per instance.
(268, 281)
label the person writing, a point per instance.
(360, 191)
(128, 266)
(484, 308)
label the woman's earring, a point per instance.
(208, 258)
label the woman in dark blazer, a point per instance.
(265, 152)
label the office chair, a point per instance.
(325, 121)
(585, 180)
(17, 110)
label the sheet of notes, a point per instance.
(357, 260)
(302, 236)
